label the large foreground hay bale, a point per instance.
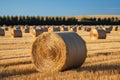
(2, 32)
(97, 34)
(58, 51)
(16, 33)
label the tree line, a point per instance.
(58, 20)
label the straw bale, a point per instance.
(36, 32)
(58, 51)
(2, 32)
(97, 34)
(16, 33)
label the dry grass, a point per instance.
(102, 62)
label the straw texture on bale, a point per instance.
(2, 32)
(16, 33)
(58, 51)
(97, 34)
(36, 32)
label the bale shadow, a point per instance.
(100, 67)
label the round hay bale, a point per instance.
(53, 29)
(5, 28)
(16, 33)
(58, 51)
(107, 30)
(36, 32)
(97, 34)
(2, 32)
(78, 28)
(44, 29)
(117, 28)
(73, 29)
(17, 27)
(26, 30)
(114, 28)
(88, 29)
(62, 29)
(83, 28)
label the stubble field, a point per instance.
(102, 62)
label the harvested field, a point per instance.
(102, 62)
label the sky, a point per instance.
(59, 7)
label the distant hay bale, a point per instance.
(58, 51)
(88, 29)
(36, 32)
(97, 34)
(38, 27)
(69, 28)
(44, 28)
(16, 33)
(62, 29)
(107, 30)
(2, 32)
(53, 29)
(74, 29)
(78, 28)
(16, 27)
(83, 28)
(5, 27)
(114, 28)
(118, 29)
(26, 30)
(92, 27)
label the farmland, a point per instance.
(102, 62)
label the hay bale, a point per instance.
(58, 51)
(97, 34)
(62, 29)
(53, 29)
(88, 29)
(16, 33)
(36, 32)
(83, 28)
(114, 28)
(26, 30)
(78, 28)
(5, 28)
(16, 27)
(118, 29)
(2, 32)
(73, 29)
(107, 30)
